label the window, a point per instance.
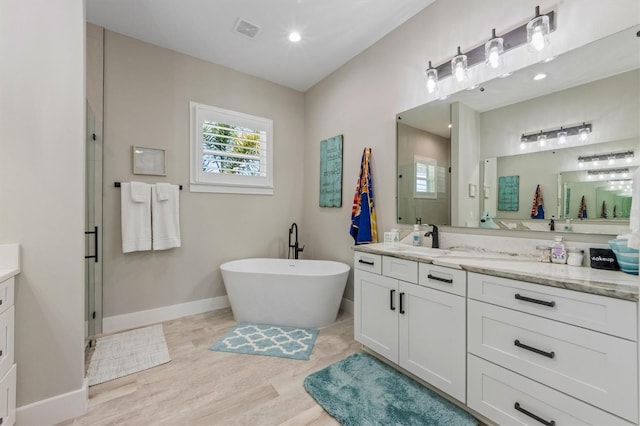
(425, 177)
(230, 151)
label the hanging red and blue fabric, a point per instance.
(537, 209)
(363, 215)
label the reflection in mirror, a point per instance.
(488, 123)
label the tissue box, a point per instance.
(603, 259)
(627, 257)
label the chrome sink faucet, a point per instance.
(434, 236)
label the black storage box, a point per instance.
(603, 259)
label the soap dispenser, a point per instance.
(558, 251)
(415, 238)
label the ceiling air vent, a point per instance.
(246, 28)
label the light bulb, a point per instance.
(523, 145)
(537, 39)
(628, 159)
(542, 139)
(581, 164)
(596, 162)
(612, 160)
(493, 51)
(459, 66)
(538, 30)
(583, 134)
(432, 78)
(459, 73)
(562, 137)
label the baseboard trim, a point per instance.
(56, 409)
(165, 313)
(347, 305)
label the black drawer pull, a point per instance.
(444, 280)
(366, 262)
(532, 349)
(533, 416)
(391, 306)
(539, 302)
(401, 303)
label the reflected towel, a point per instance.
(166, 217)
(537, 208)
(634, 215)
(136, 218)
(582, 210)
(363, 215)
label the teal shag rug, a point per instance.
(270, 340)
(363, 391)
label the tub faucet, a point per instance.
(434, 236)
(294, 247)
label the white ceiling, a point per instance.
(333, 31)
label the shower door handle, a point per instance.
(95, 244)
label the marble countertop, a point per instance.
(526, 268)
(9, 261)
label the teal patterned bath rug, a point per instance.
(363, 391)
(270, 340)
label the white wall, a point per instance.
(42, 105)
(147, 90)
(360, 99)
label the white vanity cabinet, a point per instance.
(540, 354)
(403, 315)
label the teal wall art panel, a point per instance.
(331, 172)
(508, 193)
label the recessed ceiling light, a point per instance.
(294, 37)
(539, 76)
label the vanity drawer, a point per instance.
(596, 368)
(441, 278)
(8, 397)
(6, 340)
(6, 294)
(494, 392)
(405, 270)
(606, 314)
(368, 262)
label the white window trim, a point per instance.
(229, 184)
(430, 162)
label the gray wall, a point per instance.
(147, 94)
(42, 105)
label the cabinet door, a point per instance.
(432, 337)
(376, 313)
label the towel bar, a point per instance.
(117, 185)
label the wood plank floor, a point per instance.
(203, 387)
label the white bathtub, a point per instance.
(300, 293)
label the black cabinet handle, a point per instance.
(444, 280)
(366, 262)
(401, 303)
(532, 349)
(391, 306)
(536, 301)
(533, 416)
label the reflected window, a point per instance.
(425, 177)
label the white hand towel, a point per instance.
(163, 191)
(136, 220)
(166, 219)
(634, 216)
(139, 192)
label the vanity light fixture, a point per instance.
(459, 66)
(596, 158)
(490, 52)
(523, 142)
(493, 50)
(538, 30)
(432, 78)
(603, 172)
(562, 133)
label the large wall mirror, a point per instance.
(461, 161)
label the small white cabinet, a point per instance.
(419, 328)
(9, 268)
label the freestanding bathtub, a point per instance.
(299, 293)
